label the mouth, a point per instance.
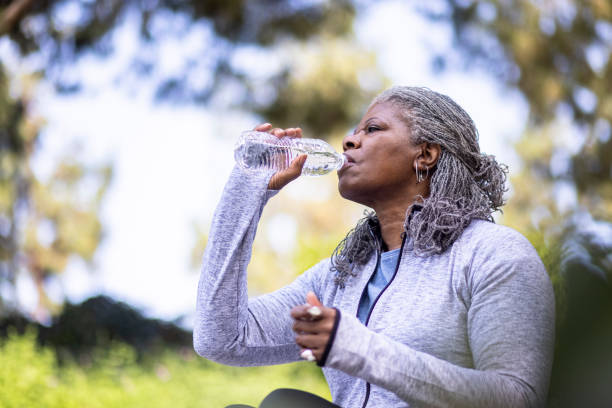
(349, 162)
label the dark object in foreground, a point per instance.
(287, 397)
(582, 369)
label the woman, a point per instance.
(427, 302)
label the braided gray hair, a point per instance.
(465, 183)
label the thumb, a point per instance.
(281, 178)
(297, 164)
(312, 300)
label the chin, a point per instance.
(351, 192)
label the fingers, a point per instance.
(314, 311)
(294, 132)
(302, 312)
(312, 299)
(307, 354)
(285, 176)
(296, 166)
(313, 324)
(313, 327)
(305, 326)
(314, 342)
(282, 178)
(278, 132)
(289, 132)
(264, 127)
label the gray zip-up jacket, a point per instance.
(471, 327)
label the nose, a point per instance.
(351, 141)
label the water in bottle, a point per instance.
(262, 151)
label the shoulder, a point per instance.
(490, 239)
(495, 253)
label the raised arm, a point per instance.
(229, 328)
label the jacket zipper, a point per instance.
(367, 396)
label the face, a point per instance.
(380, 157)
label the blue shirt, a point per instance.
(382, 276)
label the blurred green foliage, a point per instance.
(552, 51)
(31, 377)
(325, 90)
(104, 353)
(61, 32)
(557, 54)
(47, 219)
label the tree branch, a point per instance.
(12, 14)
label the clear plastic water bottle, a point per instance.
(262, 151)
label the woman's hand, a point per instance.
(281, 178)
(313, 326)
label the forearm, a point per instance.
(222, 300)
(230, 328)
(419, 378)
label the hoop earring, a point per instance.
(419, 174)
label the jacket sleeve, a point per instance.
(511, 334)
(230, 328)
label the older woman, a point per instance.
(427, 302)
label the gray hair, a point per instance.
(464, 184)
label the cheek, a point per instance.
(396, 169)
(394, 165)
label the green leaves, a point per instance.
(45, 221)
(31, 377)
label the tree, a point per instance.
(557, 54)
(45, 221)
(59, 33)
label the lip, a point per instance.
(349, 158)
(349, 162)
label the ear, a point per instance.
(428, 156)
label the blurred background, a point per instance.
(117, 125)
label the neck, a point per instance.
(391, 225)
(391, 216)
(391, 212)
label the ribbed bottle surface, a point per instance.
(263, 151)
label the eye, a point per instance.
(372, 128)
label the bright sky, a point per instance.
(171, 162)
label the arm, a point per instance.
(510, 329)
(227, 328)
